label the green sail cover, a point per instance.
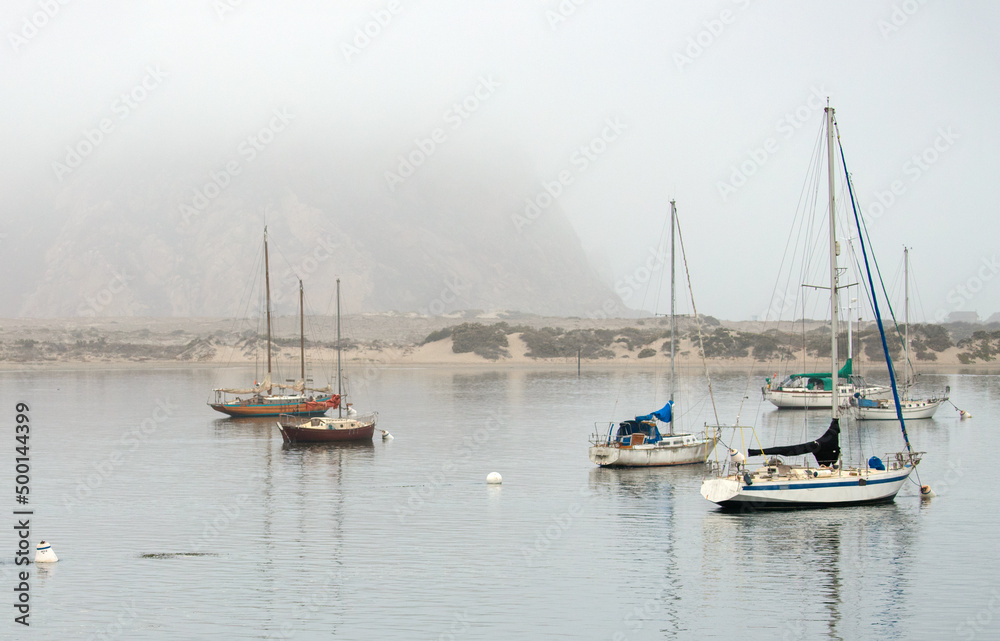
(844, 372)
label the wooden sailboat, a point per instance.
(260, 399)
(638, 442)
(778, 484)
(867, 409)
(325, 429)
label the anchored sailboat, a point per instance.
(260, 399)
(867, 409)
(638, 442)
(324, 429)
(780, 485)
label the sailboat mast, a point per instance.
(673, 303)
(340, 394)
(906, 320)
(302, 334)
(267, 287)
(834, 399)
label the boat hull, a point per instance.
(839, 490)
(659, 455)
(322, 430)
(815, 399)
(910, 409)
(250, 408)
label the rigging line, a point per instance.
(878, 314)
(694, 308)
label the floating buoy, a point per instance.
(494, 478)
(962, 414)
(386, 436)
(926, 492)
(44, 553)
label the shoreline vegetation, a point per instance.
(476, 339)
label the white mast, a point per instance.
(340, 394)
(906, 319)
(673, 300)
(834, 400)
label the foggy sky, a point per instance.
(616, 107)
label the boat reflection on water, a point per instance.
(835, 575)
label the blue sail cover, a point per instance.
(662, 414)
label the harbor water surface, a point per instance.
(173, 522)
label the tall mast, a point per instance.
(673, 302)
(302, 334)
(906, 319)
(834, 399)
(267, 286)
(340, 394)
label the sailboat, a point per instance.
(638, 442)
(780, 485)
(260, 400)
(867, 409)
(325, 429)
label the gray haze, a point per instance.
(146, 145)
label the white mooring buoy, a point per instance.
(386, 436)
(494, 478)
(44, 553)
(926, 492)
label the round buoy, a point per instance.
(963, 414)
(494, 478)
(386, 436)
(926, 492)
(44, 553)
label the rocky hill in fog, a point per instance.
(180, 235)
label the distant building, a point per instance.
(963, 317)
(995, 318)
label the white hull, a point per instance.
(799, 488)
(887, 412)
(817, 399)
(679, 449)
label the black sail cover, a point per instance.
(826, 448)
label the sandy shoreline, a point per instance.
(384, 340)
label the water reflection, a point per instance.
(841, 571)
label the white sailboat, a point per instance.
(777, 484)
(638, 442)
(868, 409)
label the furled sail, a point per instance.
(826, 448)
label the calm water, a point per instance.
(173, 523)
